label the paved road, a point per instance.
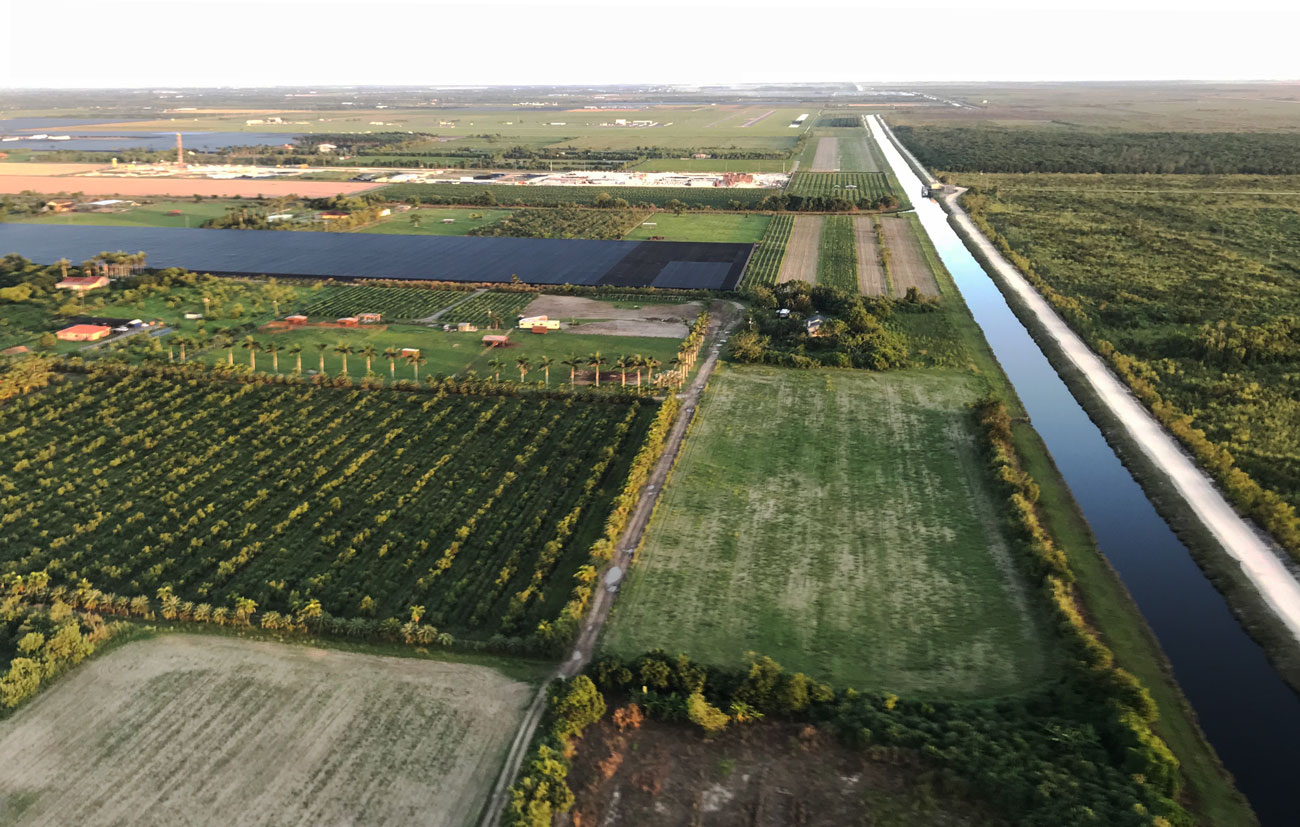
(725, 317)
(1242, 541)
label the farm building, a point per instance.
(296, 319)
(84, 332)
(81, 284)
(371, 318)
(814, 325)
(333, 215)
(60, 205)
(530, 322)
(466, 327)
(190, 317)
(323, 148)
(14, 351)
(408, 353)
(540, 329)
(494, 340)
(348, 321)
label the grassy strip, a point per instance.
(837, 258)
(1211, 796)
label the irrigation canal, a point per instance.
(1246, 710)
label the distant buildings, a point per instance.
(81, 284)
(83, 333)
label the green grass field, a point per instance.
(451, 354)
(733, 228)
(859, 544)
(157, 214)
(837, 259)
(430, 221)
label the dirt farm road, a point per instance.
(1239, 538)
(726, 315)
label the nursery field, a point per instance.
(159, 730)
(862, 544)
(395, 303)
(851, 186)
(736, 228)
(479, 508)
(765, 263)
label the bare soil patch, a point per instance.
(762, 774)
(197, 729)
(907, 263)
(871, 276)
(800, 262)
(47, 169)
(178, 186)
(565, 308)
(755, 120)
(827, 158)
(630, 327)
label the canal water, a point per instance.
(1248, 713)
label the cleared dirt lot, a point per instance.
(800, 262)
(47, 169)
(197, 729)
(871, 277)
(827, 158)
(565, 308)
(178, 186)
(907, 264)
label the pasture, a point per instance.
(179, 727)
(734, 228)
(478, 507)
(844, 524)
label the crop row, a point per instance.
(395, 303)
(765, 263)
(370, 502)
(850, 186)
(546, 196)
(837, 258)
(483, 309)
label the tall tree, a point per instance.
(321, 347)
(274, 349)
(523, 364)
(572, 364)
(391, 354)
(370, 353)
(343, 349)
(596, 360)
(252, 347)
(545, 364)
(295, 350)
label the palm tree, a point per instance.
(274, 349)
(545, 364)
(523, 364)
(596, 360)
(651, 365)
(296, 350)
(252, 347)
(417, 362)
(572, 364)
(321, 347)
(496, 363)
(343, 349)
(370, 353)
(638, 363)
(225, 341)
(621, 364)
(677, 366)
(391, 354)
(182, 343)
(494, 319)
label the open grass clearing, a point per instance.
(158, 214)
(737, 228)
(840, 522)
(433, 221)
(801, 251)
(177, 728)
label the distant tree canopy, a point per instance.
(993, 149)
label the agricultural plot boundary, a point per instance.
(765, 263)
(801, 250)
(850, 186)
(837, 264)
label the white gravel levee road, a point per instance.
(1259, 560)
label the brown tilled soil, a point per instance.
(206, 730)
(907, 264)
(565, 308)
(182, 187)
(827, 158)
(871, 276)
(631, 327)
(800, 262)
(754, 775)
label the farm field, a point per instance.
(563, 222)
(858, 153)
(395, 303)
(430, 222)
(801, 251)
(542, 196)
(161, 730)
(178, 187)
(741, 228)
(908, 265)
(851, 186)
(837, 254)
(478, 507)
(765, 263)
(192, 214)
(712, 165)
(861, 546)
(871, 275)
(826, 157)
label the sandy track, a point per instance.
(182, 187)
(47, 169)
(199, 729)
(907, 263)
(800, 262)
(871, 276)
(827, 158)
(755, 120)
(577, 307)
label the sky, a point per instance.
(171, 43)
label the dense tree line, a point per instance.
(40, 638)
(993, 149)
(853, 334)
